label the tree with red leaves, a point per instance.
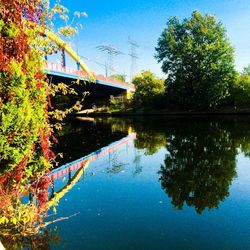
(25, 130)
(23, 89)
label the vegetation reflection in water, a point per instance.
(199, 166)
(200, 163)
(25, 208)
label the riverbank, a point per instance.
(97, 112)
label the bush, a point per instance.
(118, 103)
(241, 89)
(149, 90)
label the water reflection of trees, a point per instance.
(201, 160)
(22, 219)
(34, 242)
(150, 136)
(241, 134)
(23, 203)
(151, 142)
(199, 166)
(26, 204)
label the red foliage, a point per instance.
(17, 48)
(39, 76)
(50, 104)
(10, 183)
(39, 190)
(16, 174)
(45, 144)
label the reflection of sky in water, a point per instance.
(122, 206)
(240, 188)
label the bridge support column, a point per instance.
(128, 95)
(78, 66)
(63, 58)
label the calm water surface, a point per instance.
(155, 183)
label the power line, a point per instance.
(102, 65)
(134, 57)
(112, 52)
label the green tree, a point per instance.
(241, 89)
(198, 59)
(148, 88)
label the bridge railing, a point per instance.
(67, 70)
(79, 73)
(114, 81)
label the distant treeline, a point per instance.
(198, 61)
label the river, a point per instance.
(152, 183)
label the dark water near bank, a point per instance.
(180, 184)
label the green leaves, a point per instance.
(198, 60)
(148, 88)
(241, 89)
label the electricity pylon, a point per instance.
(112, 52)
(134, 57)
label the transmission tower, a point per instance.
(112, 52)
(134, 57)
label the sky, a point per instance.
(111, 22)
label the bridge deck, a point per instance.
(67, 72)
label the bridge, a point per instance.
(98, 86)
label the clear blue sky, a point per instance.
(112, 22)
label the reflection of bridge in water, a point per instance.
(75, 169)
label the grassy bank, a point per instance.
(164, 112)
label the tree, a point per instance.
(25, 129)
(198, 59)
(148, 88)
(241, 89)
